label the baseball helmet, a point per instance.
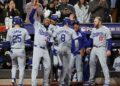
(54, 17)
(66, 21)
(76, 22)
(17, 20)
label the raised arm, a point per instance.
(36, 5)
(32, 20)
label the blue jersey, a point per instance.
(79, 41)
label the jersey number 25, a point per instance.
(16, 38)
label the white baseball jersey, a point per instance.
(17, 37)
(41, 34)
(100, 35)
(116, 64)
(64, 35)
(51, 30)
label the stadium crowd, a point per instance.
(83, 10)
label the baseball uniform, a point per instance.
(100, 39)
(40, 51)
(63, 35)
(79, 42)
(17, 37)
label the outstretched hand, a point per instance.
(108, 53)
(36, 4)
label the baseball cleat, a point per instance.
(106, 85)
(20, 85)
(14, 82)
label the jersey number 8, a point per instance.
(63, 37)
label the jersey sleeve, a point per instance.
(8, 36)
(55, 33)
(108, 34)
(73, 32)
(91, 35)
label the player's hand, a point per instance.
(102, 2)
(108, 53)
(88, 50)
(7, 53)
(36, 4)
(82, 51)
(72, 17)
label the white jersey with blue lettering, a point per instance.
(17, 37)
(41, 34)
(100, 36)
(64, 35)
(116, 64)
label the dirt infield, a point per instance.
(27, 82)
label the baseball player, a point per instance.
(55, 59)
(17, 37)
(101, 41)
(116, 64)
(40, 51)
(63, 36)
(79, 43)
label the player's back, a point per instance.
(17, 37)
(64, 35)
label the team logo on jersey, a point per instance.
(98, 34)
(45, 33)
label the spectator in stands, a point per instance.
(81, 9)
(114, 10)
(38, 13)
(12, 10)
(6, 4)
(2, 14)
(56, 2)
(99, 8)
(65, 9)
(51, 8)
(73, 2)
(118, 10)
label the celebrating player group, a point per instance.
(60, 48)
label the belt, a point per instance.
(98, 46)
(16, 48)
(40, 46)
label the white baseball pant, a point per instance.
(38, 54)
(77, 60)
(18, 60)
(65, 55)
(100, 52)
